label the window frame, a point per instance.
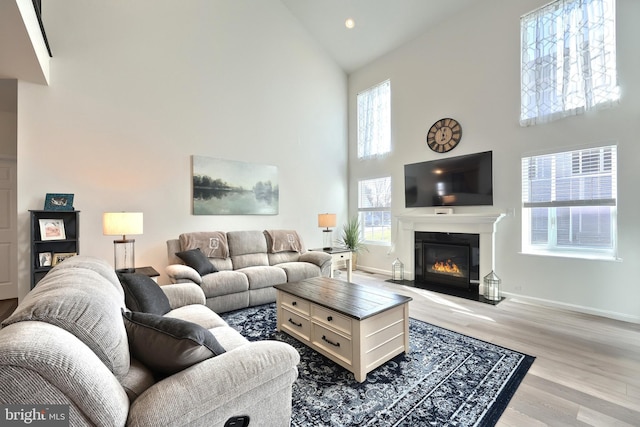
(383, 209)
(550, 246)
(361, 132)
(567, 62)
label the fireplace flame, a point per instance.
(447, 266)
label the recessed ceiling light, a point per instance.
(349, 23)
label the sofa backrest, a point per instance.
(283, 246)
(247, 248)
(83, 296)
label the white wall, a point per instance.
(139, 87)
(468, 68)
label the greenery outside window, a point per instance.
(568, 59)
(374, 209)
(569, 202)
(374, 121)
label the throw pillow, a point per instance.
(195, 259)
(141, 293)
(167, 345)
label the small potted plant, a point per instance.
(352, 238)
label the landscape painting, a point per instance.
(229, 187)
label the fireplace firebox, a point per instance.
(447, 259)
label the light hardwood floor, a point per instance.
(587, 368)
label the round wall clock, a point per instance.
(444, 135)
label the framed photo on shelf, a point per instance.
(45, 259)
(59, 257)
(58, 202)
(52, 229)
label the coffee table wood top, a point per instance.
(350, 299)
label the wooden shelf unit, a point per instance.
(70, 244)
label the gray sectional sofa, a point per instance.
(238, 269)
(71, 341)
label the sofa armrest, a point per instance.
(234, 383)
(181, 294)
(41, 363)
(321, 259)
(179, 273)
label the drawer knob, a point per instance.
(329, 318)
(299, 325)
(335, 344)
(294, 303)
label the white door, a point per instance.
(8, 230)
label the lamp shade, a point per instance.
(121, 223)
(326, 220)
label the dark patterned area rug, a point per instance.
(446, 379)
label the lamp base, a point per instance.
(124, 255)
(327, 239)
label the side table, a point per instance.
(148, 271)
(338, 254)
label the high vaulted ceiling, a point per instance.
(380, 25)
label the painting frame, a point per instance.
(58, 202)
(45, 259)
(233, 187)
(58, 257)
(52, 229)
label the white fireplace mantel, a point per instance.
(483, 224)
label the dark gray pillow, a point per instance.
(195, 259)
(167, 345)
(141, 293)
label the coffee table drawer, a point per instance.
(295, 303)
(331, 319)
(295, 324)
(336, 344)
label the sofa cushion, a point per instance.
(168, 345)
(247, 248)
(198, 314)
(223, 283)
(138, 379)
(79, 301)
(280, 257)
(142, 293)
(264, 276)
(195, 259)
(297, 271)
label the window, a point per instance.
(374, 209)
(569, 203)
(374, 121)
(568, 59)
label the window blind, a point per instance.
(585, 177)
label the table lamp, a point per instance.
(122, 224)
(326, 220)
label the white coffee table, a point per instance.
(356, 326)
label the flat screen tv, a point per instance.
(454, 181)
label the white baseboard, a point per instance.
(573, 307)
(373, 270)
